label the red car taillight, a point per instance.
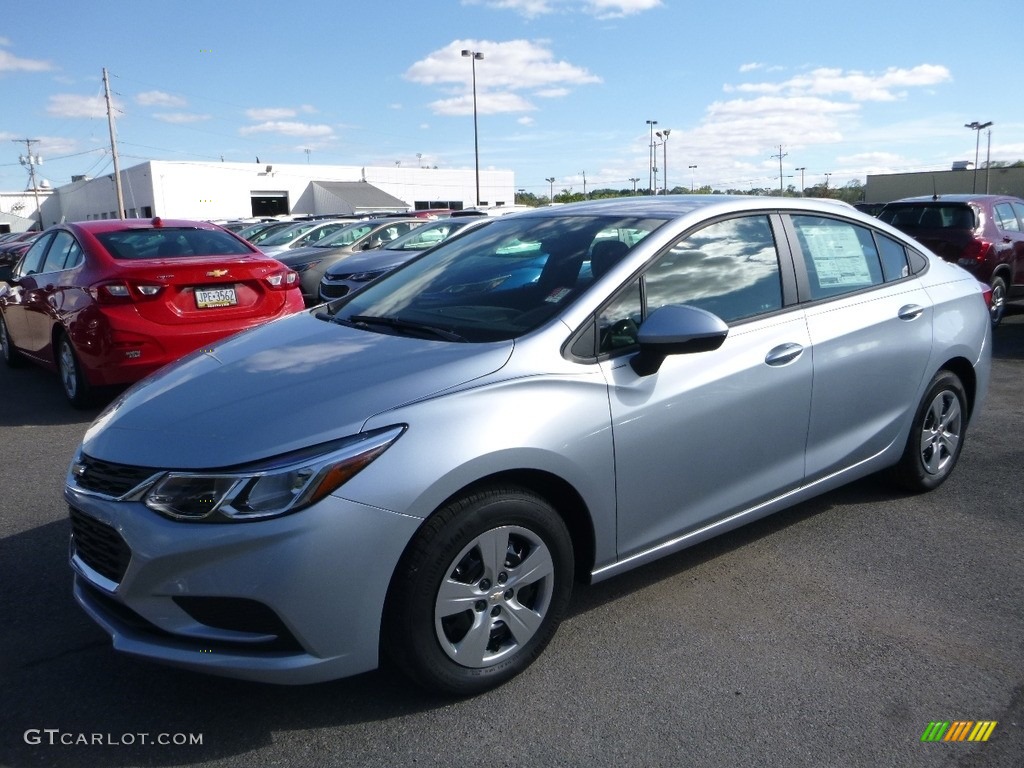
(282, 280)
(122, 292)
(986, 293)
(976, 250)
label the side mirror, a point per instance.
(676, 330)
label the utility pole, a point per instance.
(113, 147)
(32, 161)
(780, 156)
(651, 159)
(584, 184)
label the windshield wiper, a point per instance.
(361, 321)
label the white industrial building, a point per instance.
(214, 191)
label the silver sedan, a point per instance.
(427, 466)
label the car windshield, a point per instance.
(495, 282)
(286, 235)
(347, 235)
(427, 236)
(170, 242)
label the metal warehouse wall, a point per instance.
(893, 186)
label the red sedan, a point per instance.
(108, 302)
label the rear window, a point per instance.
(170, 243)
(929, 216)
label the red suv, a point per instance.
(982, 233)
(108, 302)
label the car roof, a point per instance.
(680, 206)
(955, 198)
(119, 225)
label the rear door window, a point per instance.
(1005, 218)
(840, 256)
(63, 254)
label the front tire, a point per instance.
(76, 388)
(480, 591)
(936, 436)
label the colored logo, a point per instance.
(958, 730)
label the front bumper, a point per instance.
(317, 578)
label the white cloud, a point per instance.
(11, 63)
(73, 105)
(751, 67)
(487, 104)
(179, 118)
(889, 85)
(159, 99)
(270, 113)
(603, 9)
(507, 69)
(525, 120)
(287, 128)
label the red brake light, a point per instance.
(121, 292)
(282, 280)
(976, 250)
(986, 293)
(157, 222)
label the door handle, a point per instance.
(910, 312)
(783, 354)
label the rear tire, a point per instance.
(480, 591)
(12, 356)
(936, 436)
(999, 291)
(76, 388)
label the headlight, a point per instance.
(269, 489)
(364, 277)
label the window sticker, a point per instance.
(837, 255)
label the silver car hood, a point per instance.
(290, 384)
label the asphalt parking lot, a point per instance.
(831, 634)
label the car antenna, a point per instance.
(935, 191)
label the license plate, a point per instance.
(215, 297)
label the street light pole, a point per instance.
(664, 158)
(634, 179)
(473, 57)
(978, 128)
(584, 184)
(650, 159)
(551, 196)
(802, 168)
(693, 168)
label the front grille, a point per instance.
(108, 478)
(99, 546)
(331, 291)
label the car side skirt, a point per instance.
(887, 456)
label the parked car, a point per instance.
(356, 271)
(301, 234)
(984, 234)
(108, 302)
(311, 262)
(425, 466)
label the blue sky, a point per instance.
(564, 89)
